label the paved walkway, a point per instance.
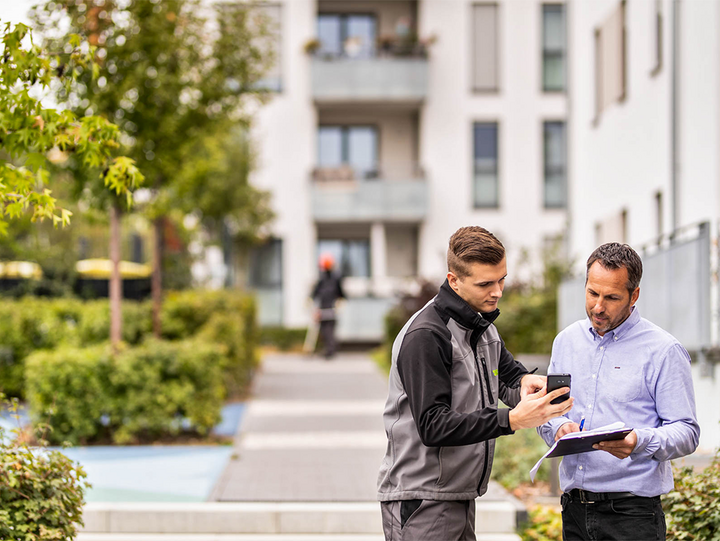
(312, 432)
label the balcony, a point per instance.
(339, 196)
(375, 80)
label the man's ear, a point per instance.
(452, 280)
(635, 296)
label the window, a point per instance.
(266, 265)
(659, 217)
(352, 257)
(657, 49)
(553, 71)
(485, 47)
(356, 146)
(346, 35)
(485, 136)
(610, 61)
(555, 164)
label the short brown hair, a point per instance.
(614, 255)
(473, 244)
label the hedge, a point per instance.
(31, 324)
(693, 506)
(144, 393)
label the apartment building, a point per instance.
(394, 123)
(644, 128)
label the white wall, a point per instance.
(520, 107)
(622, 160)
(285, 136)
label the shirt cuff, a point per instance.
(644, 447)
(503, 417)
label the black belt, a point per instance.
(583, 496)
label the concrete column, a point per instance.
(378, 259)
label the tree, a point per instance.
(32, 132)
(172, 81)
(29, 131)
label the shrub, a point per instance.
(143, 393)
(516, 455)
(41, 494)
(29, 324)
(283, 338)
(545, 524)
(693, 506)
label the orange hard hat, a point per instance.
(326, 262)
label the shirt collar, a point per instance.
(621, 330)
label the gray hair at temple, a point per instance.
(614, 255)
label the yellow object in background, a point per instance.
(100, 269)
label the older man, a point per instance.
(626, 369)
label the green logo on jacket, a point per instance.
(495, 372)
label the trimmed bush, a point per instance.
(283, 338)
(30, 324)
(142, 394)
(693, 506)
(41, 494)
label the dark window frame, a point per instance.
(555, 53)
(497, 203)
(548, 169)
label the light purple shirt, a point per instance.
(640, 375)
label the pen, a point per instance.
(582, 423)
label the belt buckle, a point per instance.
(583, 499)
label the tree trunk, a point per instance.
(115, 280)
(157, 276)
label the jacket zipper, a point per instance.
(482, 396)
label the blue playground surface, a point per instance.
(158, 473)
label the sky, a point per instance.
(15, 11)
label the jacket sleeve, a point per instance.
(424, 363)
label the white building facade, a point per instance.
(644, 132)
(394, 124)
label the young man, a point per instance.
(449, 369)
(626, 369)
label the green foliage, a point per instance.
(29, 132)
(692, 508)
(545, 524)
(178, 88)
(41, 494)
(283, 338)
(144, 393)
(223, 317)
(528, 312)
(516, 455)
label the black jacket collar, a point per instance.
(453, 305)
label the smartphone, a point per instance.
(556, 381)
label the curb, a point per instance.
(263, 518)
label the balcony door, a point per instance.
(347, 35)
(353, 146)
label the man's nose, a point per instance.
(498, 291)
(599, 306)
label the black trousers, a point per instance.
(625, 519)
(327, 332)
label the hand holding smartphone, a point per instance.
(556, 381)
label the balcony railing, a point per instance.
(395, 79)
(339, 196)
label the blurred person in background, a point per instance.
(327, 291)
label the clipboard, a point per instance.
(582, 442)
